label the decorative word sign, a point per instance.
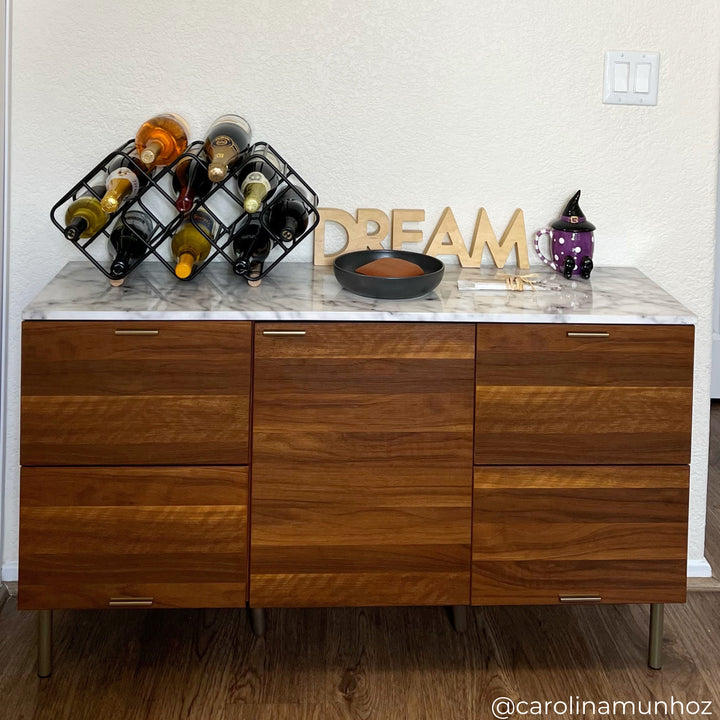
(446, 238)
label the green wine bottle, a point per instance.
(85, 216)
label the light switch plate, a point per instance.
(631, 78)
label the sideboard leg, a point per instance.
(656, 636)
(44, 668)
(257, 621)
(458, 617)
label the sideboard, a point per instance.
(292, 445)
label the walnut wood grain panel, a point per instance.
(91, 397)
(545, 398)
(362, 463)
(540, 533)
(89, 534)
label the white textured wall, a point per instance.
(389, 104)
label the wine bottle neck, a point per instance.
(254, 193)
(185, 200)
(290, 228)
(150, 152)
(185, 264)
(121, 262)
(117, 189)
(76, 227)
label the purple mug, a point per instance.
(571, 242)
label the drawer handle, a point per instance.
(579, 598)
(131, 602)
(280, 333)
(589, 334)
(137, 332)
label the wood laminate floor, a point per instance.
(377, 663)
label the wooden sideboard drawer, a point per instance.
(135, 393)
(615, 533)
(362, 464)
(91, 535)
(583, 394)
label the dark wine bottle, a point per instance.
(251, 245)
(190, 180)
(288, 216)
(85, 216)
(226, 143)
(126, 177)
(128, 239)
(258, 177)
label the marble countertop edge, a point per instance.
(296, 291)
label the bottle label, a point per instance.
(124, 173)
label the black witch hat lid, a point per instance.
(572, 218)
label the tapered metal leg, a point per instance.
(44, 643)
(656, 636)
(257, 621)
(458, 617)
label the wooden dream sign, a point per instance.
(446, 238)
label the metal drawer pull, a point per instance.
(579, 598)
(137, 332)
(588, 334)
(130, 602)
(283, 332)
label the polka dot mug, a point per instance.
(571, 251)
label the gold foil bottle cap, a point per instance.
(117, 283)
(254, 194)
(109, 204)
(147, 156)
(217, 172)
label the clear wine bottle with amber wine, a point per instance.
(251, 246)
(258, 177)
(288, 215)
(190, 180)
(85, 216)
(162, 139)
(128, 240)
(190, 244)
(227, 142)
(126, 177)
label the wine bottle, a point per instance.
(85, 216)
(258, 177)
(190, 180)
(126, 176)
(162, 139)
(288, 216)
(251, 246)
(190, 245)
(226, 143)
(128, 239)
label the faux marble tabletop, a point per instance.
(301, 291)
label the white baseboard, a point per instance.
(699, 568)
(9, 572)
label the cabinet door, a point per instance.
(135, 393)
(572, 534)
(361, 464)
(569, 394)
(140, 536)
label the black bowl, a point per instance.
(388, 288)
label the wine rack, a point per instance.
(223, 202)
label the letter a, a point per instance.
(447, 225)
(513, 237)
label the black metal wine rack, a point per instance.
(223, 202)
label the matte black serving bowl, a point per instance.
(388, 288)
